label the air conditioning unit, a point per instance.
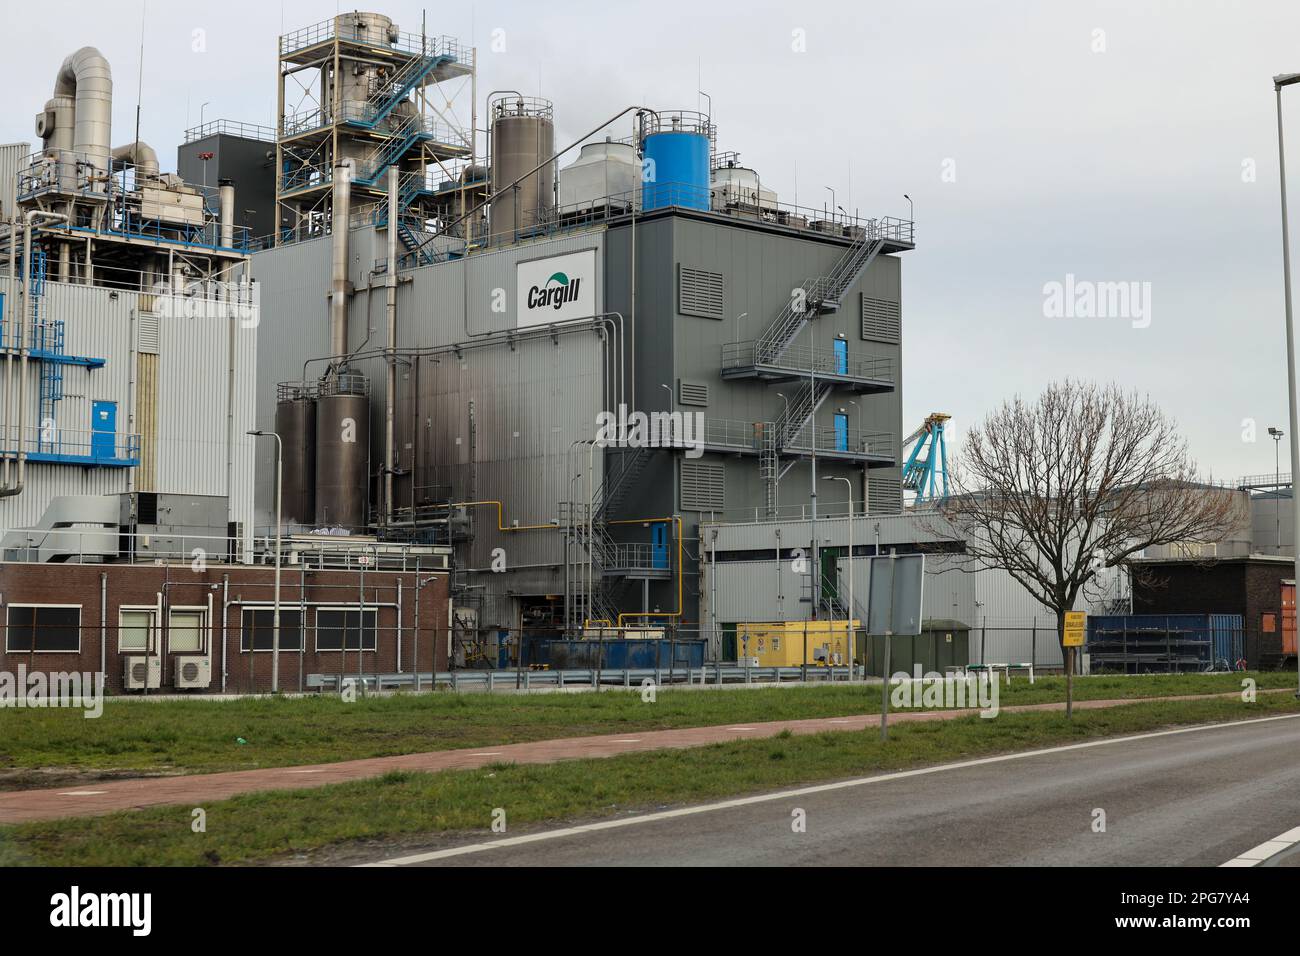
(142, 673)
(193, 672)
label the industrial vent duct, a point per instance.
(693, 393)
(885, 496)
(86, 79)
(700, 293)
(881, 320)
(702, 486)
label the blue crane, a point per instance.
(928, 459)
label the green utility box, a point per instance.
(940, 645)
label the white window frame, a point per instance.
(80, 613)
(202, 612)
(364, 608)
(151, 640)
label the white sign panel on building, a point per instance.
(556, 289)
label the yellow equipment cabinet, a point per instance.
(793, 643)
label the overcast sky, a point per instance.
(1112, 141)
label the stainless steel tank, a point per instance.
(523, 136)
(295, 423)
(343, 454)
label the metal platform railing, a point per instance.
(803, 359)
(524, 679)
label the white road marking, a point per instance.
(805, 791)
(306, 771)
(82, 793)
(1269, 848)
(630, 740)
(490, 753)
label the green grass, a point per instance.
(198, 736)
(263, 826)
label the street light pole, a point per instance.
(848, 625)
(275, 614)
(1277, 434)
(1287, 79)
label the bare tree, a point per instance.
(1057, 490)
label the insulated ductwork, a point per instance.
(140, 155)
(343, 171)
(85, 76)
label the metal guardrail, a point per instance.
(111, 448)
(219, 127)
(748, 436)
(806, 359)
(493, 680)
(324, 31)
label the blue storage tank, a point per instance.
(676, 149)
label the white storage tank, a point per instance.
(604, 174)
(740, 187)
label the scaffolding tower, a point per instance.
(355, 90)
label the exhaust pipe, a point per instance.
(86, 77)
(343, 170)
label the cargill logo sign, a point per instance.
(556, 289)
(556, 293)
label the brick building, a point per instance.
(1249, 586)
(159, 618)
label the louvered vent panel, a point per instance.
(881, 320)
(702, 486)
(700, 293)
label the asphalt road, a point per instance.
(1200, 798)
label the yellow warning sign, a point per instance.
(1075, 622)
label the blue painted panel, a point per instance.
(841, 432)
(103, 427)
(841, 357)
(678, 167)
(659, 545)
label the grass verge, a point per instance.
(203, 736)
(262, 826)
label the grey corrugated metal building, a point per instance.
(503, 402)
(752, 573)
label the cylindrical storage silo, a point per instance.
(295, 423)
(343, 454)
(523, 138)
(675, 147)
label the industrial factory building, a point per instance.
(463, 345)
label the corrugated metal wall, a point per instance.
(12, 158)
(1007, 624)
(192, 412)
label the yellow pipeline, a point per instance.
(501, 517)
(678, 612)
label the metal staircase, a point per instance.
(800, 410)
(386, 96)
(619, 481)
(822, 294)
(411, 131)
(411, 186)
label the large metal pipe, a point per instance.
(142, 156)
(390, 388)
(87, 78)
(343, 170)
(226, 199)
